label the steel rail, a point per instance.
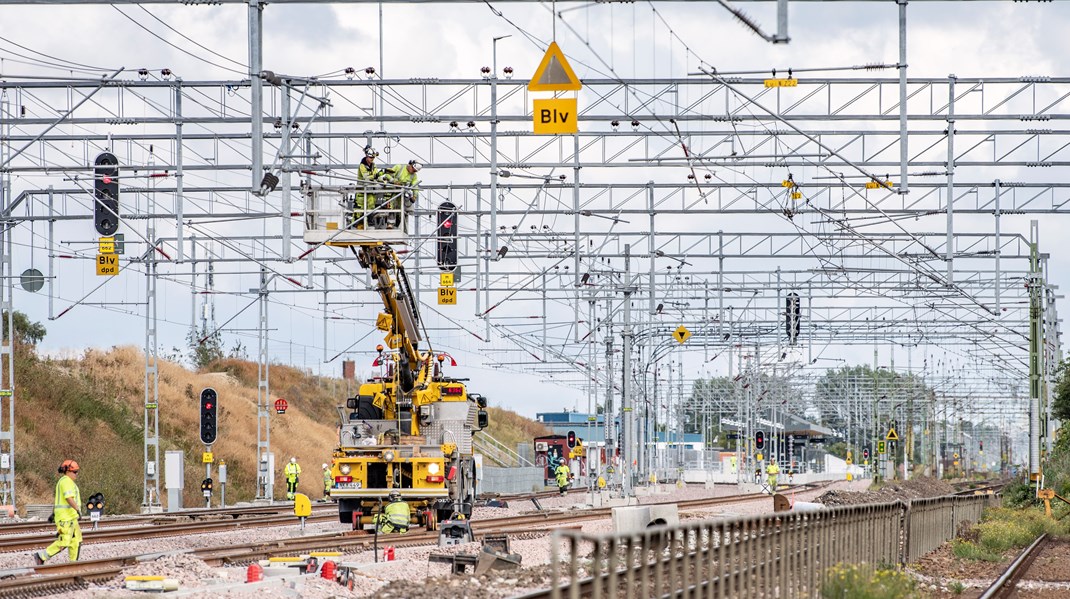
(110, 535)
(1004, 586)
(164, 518)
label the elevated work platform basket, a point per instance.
(365, 213)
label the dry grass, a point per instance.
(90, 409)
(511, 428)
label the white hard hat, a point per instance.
(416, 166)
(325, 466)
(293, 460)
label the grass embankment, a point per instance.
(1003, 529)
(511, 428)
(90, 409)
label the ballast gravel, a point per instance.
(410, 575)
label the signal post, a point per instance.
(209, 430)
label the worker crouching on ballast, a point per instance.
(395, 516)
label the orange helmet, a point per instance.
(68, 466)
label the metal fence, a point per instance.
(932, 522)
(787, 554)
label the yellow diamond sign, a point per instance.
(681, 334)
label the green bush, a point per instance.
(971, 551)
(852, 581)
(1019, 494)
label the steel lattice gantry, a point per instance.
(557, 231)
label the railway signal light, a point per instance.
(759, 440)
(793, 317)
(209, 406)
(95, 503)
(446, 247)
(95, 507)
(571, 439)
(206, 487)
(865, 453)
(106, 193)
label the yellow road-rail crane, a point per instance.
(410, 427)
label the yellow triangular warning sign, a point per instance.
(891, 436)
(554, 73)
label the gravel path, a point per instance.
(410, 575)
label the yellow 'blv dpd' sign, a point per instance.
(554, 116)
(107, 265)
(447, 296)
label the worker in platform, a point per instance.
(772, 470)
(328, 482)
(292, 472)
(395, 516)
(403, 175)
(367, 173)
(65, 511)
(562, 474)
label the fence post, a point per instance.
(904, 555)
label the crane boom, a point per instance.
(402, 314)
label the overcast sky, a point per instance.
(454, 40)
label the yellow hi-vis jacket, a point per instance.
(292, 470)
(397, 516)
(561, 474)
(61, 510)
(401, 176)
(772, 468)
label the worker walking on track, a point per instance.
(328, 481)
(65, 512)
(395, 517)
(292, 472)
(561, 473)
(772, 470)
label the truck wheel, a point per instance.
(366, 409)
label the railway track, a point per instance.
(167, 518)
(48, 579)
(1004, 585)
(982, 486)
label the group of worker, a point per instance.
(292, 472)
(383, 209)
(67, 502)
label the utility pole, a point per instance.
(1034, 355)
(628, 414)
